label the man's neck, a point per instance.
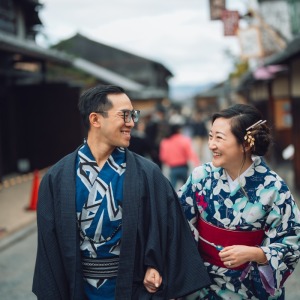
(100, 151)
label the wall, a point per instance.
(295, 76)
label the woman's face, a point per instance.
(227, 153)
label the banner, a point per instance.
(230, 20)
(250, 42)
(259, 41)
(216, 9)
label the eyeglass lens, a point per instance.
(131, 114)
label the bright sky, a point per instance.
(176, 33)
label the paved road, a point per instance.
(17, 263)
(16, 268)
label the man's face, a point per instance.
(114, 131)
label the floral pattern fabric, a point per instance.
(261, 200)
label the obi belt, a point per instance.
(213, 239)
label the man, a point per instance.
(110, 226)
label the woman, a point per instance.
(242, 214)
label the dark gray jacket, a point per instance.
(154, 233)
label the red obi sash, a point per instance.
(224, 237)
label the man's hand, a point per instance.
(152, 280)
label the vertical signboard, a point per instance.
(230, 20)
(216, 9)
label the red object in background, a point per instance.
(34, 191)
(230, 20)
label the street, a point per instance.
(17, 264)
(16, 269)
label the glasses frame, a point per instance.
(128, 115)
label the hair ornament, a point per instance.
(248, 137)
(260, 122)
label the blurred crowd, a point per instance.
(175, 138)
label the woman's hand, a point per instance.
(152, 280)
(234, 256)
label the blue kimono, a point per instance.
(99, 195)
(261, 200)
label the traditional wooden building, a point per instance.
(34, 128)
(150, 77)
(274, 89)
(39, 90)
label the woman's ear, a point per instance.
(246, 147)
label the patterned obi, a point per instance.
(213, 239)
(96, 268)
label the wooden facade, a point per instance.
(279, 100)
(39, 89)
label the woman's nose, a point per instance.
(211, 144)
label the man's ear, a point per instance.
(95, 119)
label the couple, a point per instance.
(110, 225)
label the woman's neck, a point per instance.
(234, 173)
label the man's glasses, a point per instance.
(127, 115)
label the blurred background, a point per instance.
(179, 61)
(189, 58)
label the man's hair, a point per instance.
(95, 99)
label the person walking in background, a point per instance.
(200, 134)
(139, 142)
(176, 151)
(110, 225)
(242, 213)
(156, 130)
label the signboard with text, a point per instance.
(231, 22)
(250, 41)
(216, 9)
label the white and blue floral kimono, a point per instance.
(261, 200)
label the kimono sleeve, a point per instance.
(49, 281)
(281, 246)
(188, 195)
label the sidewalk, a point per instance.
(16, 220)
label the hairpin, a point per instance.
(248, 137)
(260, 122)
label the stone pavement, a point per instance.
(15, 199)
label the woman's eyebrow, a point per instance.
(218, 132)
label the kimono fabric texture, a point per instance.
(267, 205)
(154, 232)
(99, 212)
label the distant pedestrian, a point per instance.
(200, 133)
(139, 141)
(110, 225)
(176, 152)
(156, 130)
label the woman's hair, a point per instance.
(242, 117)
(95, 100)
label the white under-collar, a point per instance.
(234, 183)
